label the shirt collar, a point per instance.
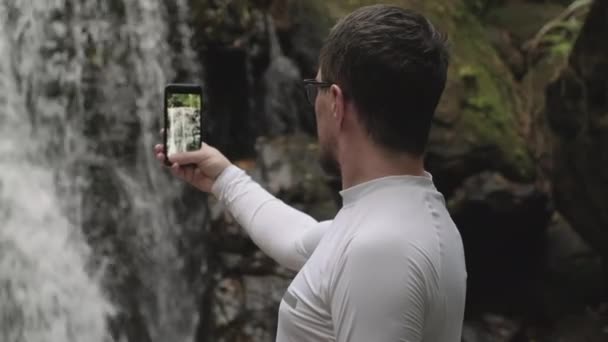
(354, 193)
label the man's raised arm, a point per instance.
(287, 235)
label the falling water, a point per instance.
(91, 230)
(45, 293)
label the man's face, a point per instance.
(326, 129)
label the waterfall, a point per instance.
(93, 232)
(45, 292)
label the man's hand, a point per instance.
(199, 168)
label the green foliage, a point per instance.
(558, 35)
(185, 100)
(561, 38)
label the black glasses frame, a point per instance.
(311, 87)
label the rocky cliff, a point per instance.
(494, 153)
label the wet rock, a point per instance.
(572, 272)
(491, 328)
(510, 24)
(508, 50)
(264, 292)
(231, 39)
(246, 309)
(502, 224)
(591, 326)
(577, 109)
(478, 122)
(245, 55)
(289, 167)
(536, 129)
(301, 27)
(225, 233)
(260, 327)
(228, 303)
(522, 19)
(285, 107)
(252, 262)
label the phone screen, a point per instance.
(183, 119)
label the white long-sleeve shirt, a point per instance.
(389, 267)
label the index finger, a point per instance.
(190, 157)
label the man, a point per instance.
(390, 266)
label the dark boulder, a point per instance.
(577, 110)
(502, 224)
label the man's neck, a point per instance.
(373, 162)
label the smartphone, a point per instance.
(183, 118)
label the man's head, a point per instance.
(385, 66)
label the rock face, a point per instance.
(254, 69)
(502, 224)
(491, 155)
(571, 271)
(577, 110)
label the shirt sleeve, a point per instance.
(379, 292)
(287, 235)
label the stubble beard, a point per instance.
(327, 159)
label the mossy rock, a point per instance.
(477, 124)
(522, 19)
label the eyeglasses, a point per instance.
(311, 86)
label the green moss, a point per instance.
(490, 102)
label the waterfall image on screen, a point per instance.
(184, 126)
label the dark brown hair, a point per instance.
(393, 64)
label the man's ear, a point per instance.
(339, 105)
